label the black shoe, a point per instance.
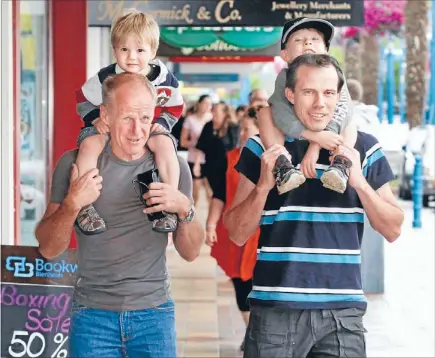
(242, 346)
(337, 175)
(287, 177)
(89, 221)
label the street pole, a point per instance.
(432, 69)
(417, 191)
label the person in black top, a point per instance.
(218, 136)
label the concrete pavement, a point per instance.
(400, 322)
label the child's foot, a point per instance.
(337, 175)
(167, 224)
(89, 221)
(287, 177)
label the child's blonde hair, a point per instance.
(139, 24)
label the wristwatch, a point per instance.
(189, 216)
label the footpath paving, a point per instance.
(400, 322)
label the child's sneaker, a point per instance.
(166, 224)
(287, 177)
(89, 221)
(337, 175)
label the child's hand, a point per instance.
(158, 128)
(308, 164)
(328, 140)
(101, 125)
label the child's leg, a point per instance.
(89, 151)
(90, 148)
(162, 145)
(166, 159)
(286, 176)
(337, 175)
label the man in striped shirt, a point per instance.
(307, 297)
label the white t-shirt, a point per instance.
(195, 125)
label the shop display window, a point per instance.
(34, 116)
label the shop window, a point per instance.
(34, 116)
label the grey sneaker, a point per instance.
(167, 224)
(287, 177)
(89, 221)
(337, 175)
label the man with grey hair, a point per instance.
(122, 304)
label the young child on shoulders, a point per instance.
(135, 39)
(302, 36)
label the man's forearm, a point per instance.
(188, 240)
(54, 232)
(242, 221)
(384, 217)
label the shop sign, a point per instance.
(35, 300)
(217, 48)
(230, 12)
(242, 37)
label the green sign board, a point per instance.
(242, 37)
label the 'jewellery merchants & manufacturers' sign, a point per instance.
(230, 12)
(35, 302)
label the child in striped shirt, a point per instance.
(135, 40)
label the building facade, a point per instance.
(43, 51)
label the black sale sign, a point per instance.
(36, 299)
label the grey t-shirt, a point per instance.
(123, 268)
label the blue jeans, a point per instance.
(128, 334)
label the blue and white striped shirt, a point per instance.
(309, 248)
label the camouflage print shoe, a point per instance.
(89, 221)
(287, 177)
(337, 175)
(166, 224)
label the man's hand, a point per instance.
(308, 164)
(101, 125)
(356, 176)
(268, 159)
(210, 237)
(167, 199)
(83, 190)
(327, 139)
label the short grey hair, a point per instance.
(312, 60)
(355, 89)
(112, 82)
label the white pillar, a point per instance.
(7, 123)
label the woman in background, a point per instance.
(218, 136)
(237, 262)
(192, 129)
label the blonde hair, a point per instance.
(112, 83)
(139, 24)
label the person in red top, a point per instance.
(237, 262)
(135, 39)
